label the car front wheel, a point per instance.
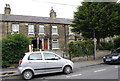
(67, 70)
(28, 74)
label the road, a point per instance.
(101, 71)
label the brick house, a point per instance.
(47, 33)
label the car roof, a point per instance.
(39, 52)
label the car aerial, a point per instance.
(114, 57)
(42, 62)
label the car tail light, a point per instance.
(20, 61)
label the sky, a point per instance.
(63, 8)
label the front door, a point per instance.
(45, 44)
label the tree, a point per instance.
(97, 19)
(13, 48)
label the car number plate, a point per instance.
(108, 59)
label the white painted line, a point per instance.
(73, 75)
(100, 70)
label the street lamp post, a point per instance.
(95, 40)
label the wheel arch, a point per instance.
(66, 66)
(27, 70)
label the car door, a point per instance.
(52, 63)
(36, 62)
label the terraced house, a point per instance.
(47, 33)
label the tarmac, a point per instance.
(13, 71)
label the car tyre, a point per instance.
(28, 74)
(67, 70)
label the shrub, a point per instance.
(111, 44)
(117, 42)
(13, 48)
(107, 45)
(80, 48)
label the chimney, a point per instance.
(52, 13)
(7, 9)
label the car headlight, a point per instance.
(115, 57)
(104, 57)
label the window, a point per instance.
(116, 51)
(54, 30)
(15, 28)
(30, 29)
(55, 44)
(41, 29)
(35, 56)
(70, 30)
(50, 56)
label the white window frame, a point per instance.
(41, 27)
(70, 31)
(57, 42)
(56, 30)
(30, 29)
(15, 28)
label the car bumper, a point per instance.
(20, 69)
(111, 60)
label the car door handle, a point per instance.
(47, 62)
(30, 62)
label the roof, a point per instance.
(33, 19)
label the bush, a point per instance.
(13, 48)
(117, 42)
(80, 48)
(111, 44)
(107, 45)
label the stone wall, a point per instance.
(23, 28)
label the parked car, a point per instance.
(114, 57)
(42, 62)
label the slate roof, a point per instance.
(33, 19)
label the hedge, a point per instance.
(13, 48)
(80, 48)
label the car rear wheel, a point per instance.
(28, 74)
(67, 70)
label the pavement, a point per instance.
(13, 71)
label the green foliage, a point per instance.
(111, 44)
(80, 48)
(117, 42)
(107, 45)
(100, 18)
(13, 48)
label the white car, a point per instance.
(42, 62)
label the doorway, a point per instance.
(46, 44)
(34, 42)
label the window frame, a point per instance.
(15, 25)
(29, 29)
(56, 30)
(42, 27)
(70, 31)
(57, 41)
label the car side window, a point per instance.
(116, 51)
(50, 56)
(35, 56)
